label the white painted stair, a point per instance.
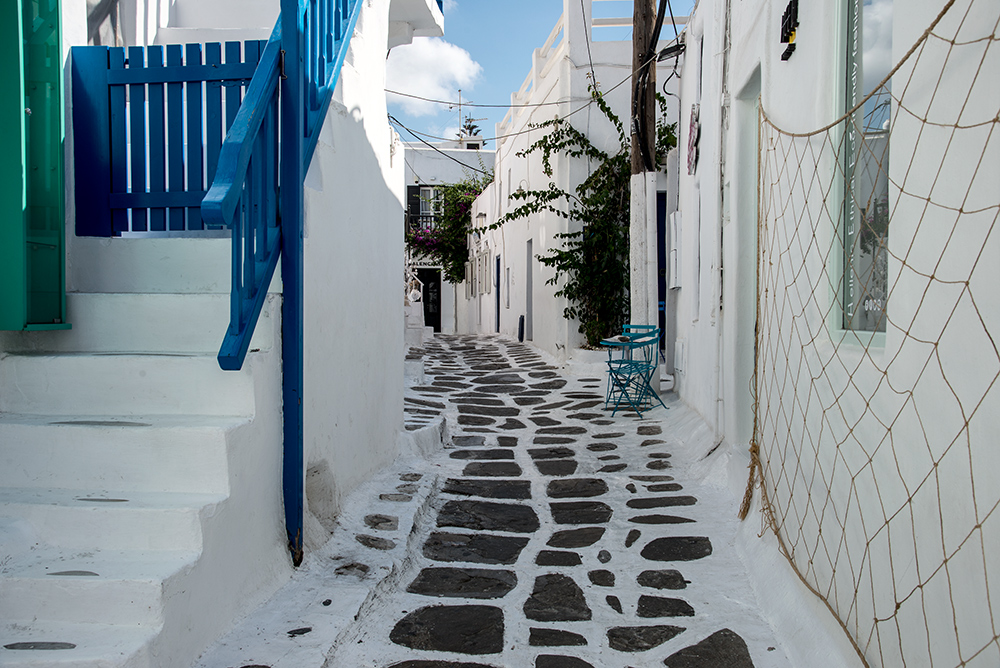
(140, 505)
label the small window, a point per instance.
(474, 147)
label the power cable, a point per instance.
(469, 104)
(452, 158)
(507, 106)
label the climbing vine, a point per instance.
(444, 241)
(594, 261)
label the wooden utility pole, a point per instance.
(643, 21)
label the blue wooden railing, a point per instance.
(148, 126)
(260, 156)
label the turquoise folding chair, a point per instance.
(630, 376)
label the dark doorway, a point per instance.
(431, 278)
(496, 291)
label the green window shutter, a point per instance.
(32, 241)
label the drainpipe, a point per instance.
(291, 206)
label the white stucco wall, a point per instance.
(872, 454)
(560, 71)
(353, 280)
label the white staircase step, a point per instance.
(145, 323)
(95, 645)
(112, 587)
(160, 453)
(112, 519)
(124, 385)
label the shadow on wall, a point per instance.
(353, 347)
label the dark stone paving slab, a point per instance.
(475, 420)
(554, 638)
(584, 537)
(528, 401)
(722, 648)
(467, 629)
(382, 522)
(556, 598)
(501, 389)
(554, 405)
(661, 502)
(603, 423)
(468, 441)
(556, 384)
(659, 606)
(422, 402)
(608, 458)
(544, 421)
(610, 434)
(375, 542)
(649, 430)
(552, 440)
(558, 558)
(493, 411)
(651, 441)
(664, 487)
(602, 578)
(507, 441)
(556, 661)
(490, 489)
(580, 512)
(492, 469)
(666, 579)
(659, 465)
(640, 638)
(512, 423)
(419, 663)
(612, 468)
(651, 478)
(632, 536)
(658, 455)
(463, 582)
(494, 453)
(615, 603)
(677, 548)
(583, 395)
(569, 488)
(550, 453)
(556, 467)
(563, 430)
(488, 516)
(584, 405)
(499, 379)
(474, 548)
(602, 447)
(584, 416)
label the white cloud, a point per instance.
(450, 6)
(429, 67)
(877, 52)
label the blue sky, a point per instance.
(486, 51)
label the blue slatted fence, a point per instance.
(148, 126)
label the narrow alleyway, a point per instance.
(547, 533)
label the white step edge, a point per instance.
(111, 519)
(127, 384)
(96, 645)
(78, 586)
(159, 453)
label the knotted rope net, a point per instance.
(877, 405)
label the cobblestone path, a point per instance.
(547, 534)
(549, 547)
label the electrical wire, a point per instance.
(469, 104)
(589, 102)
(395, 121)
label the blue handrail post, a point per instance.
(291, 207)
